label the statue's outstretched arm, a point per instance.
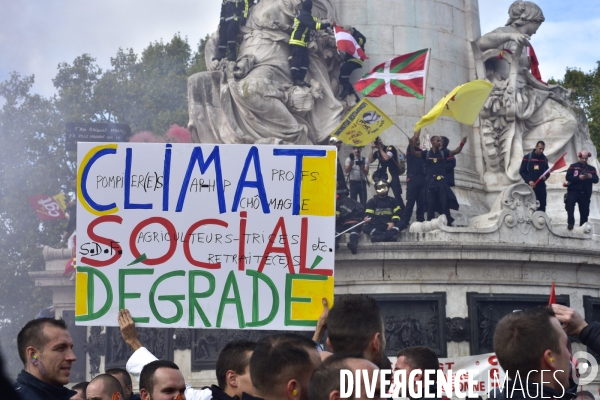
(494, 40)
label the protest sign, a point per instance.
(207, 236)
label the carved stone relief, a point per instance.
(157, 341)
(208, 343)
(414, 320)
(458, 329)
(95, 347)
(485, 310)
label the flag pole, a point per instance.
(426, 80)
(402, 130)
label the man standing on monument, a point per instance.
(350, 64)
(415, 184)
(357, 168)
(233, 15)
(439, 195)
(388, 163)
(450, 162)
(303, 24)
(580, 177)
(533, 167)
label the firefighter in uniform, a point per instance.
(350, 64)
(233, 15)
(382, 215)
(533, 166)
(440, 197)
(348, 213)
(415, 184)
(303, 24)
(450, 162)
(580, 178)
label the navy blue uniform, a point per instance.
(450, 165)
(579, 191)
(532, 167)
(303, 24)
(440, 197)
(382, 211)
(415, 185)
(233, 14)
(28, 387)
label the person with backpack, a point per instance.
(389, 163)
(440, 197)
(533, 166)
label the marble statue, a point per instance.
(253, 100)
(521, 109)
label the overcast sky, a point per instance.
(36, 35)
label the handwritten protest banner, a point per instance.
(207, 236)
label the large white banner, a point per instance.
(207, 236)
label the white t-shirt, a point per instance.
(355, 173)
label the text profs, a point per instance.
(205, 299)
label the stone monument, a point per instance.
(444, 287)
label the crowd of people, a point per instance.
(293, 367)
(429, 179)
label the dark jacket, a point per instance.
(390, 164)
(578, 185)
(31, 388)
(304, 23)
(361, 40)
(590, 336)
(415, 166)
(383, 210)
(534, 166)
(218, 394)
(450, 165)
(234, 10)
(348, 210)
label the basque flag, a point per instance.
(403, 76)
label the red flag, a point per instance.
(46, 208)
(560, 163)
(552, 296)
(403, 76)
(346, 42)
(535, 64)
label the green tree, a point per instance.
(586, 92)
(33, 163)
(148, 92)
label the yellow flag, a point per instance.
(463, 104)
(60, 199)
(363, 124)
